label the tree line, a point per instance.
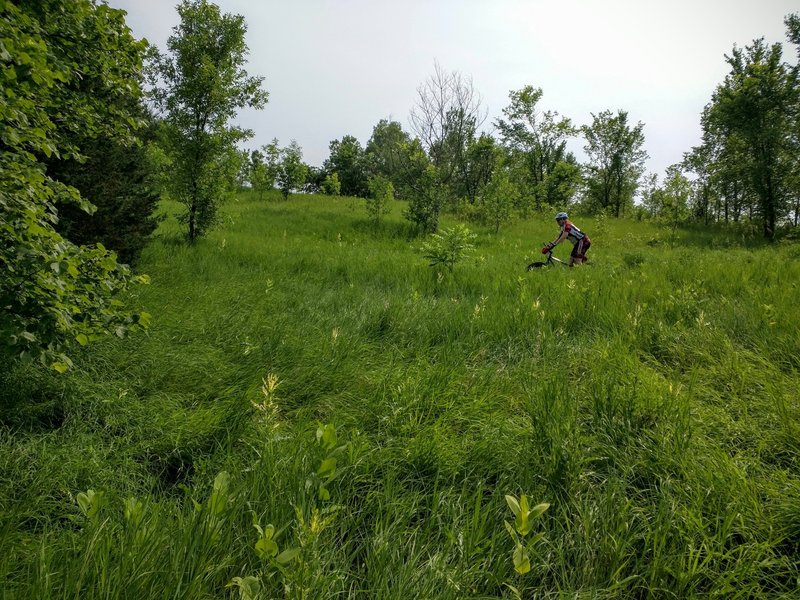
(97, 126)
(744, 171)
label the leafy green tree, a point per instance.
(122, 182)
(199, 86)
(477, 168)
(535, 142)
(422, 186)
(54, 294)
(261, 178)
(381, 194)
(331, 185)
(705, 202)
(722, 156)
(616, 160)
(384, 150)
(115, 172)
(272, 159)
(348, 160)
(315, 180)
(561, 183)
(756, 101)
(498, 199)
(292, 172)
(652, 195)
(751, 136)
(675, 197)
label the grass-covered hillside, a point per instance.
(306, 371)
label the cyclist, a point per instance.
(580, 241)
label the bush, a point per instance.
(633, 259)
(449, 247)
(381, 192)
(331, 185)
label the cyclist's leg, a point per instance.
(575, 255)
(579, 252)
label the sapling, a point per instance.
(448, 247)
(523, 525)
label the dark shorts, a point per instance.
(579, 249)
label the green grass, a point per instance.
(650, 398)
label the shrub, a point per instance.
(331, 185)
(381, 192)
(449, 247)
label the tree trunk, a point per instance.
(192, 222)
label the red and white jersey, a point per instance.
(574, 235)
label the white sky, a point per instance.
(336, 67)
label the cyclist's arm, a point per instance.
(559, 239)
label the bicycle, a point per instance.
(551, 260)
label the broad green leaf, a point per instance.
(249, 587)
(324, 494)
(522, 524)
(327, 468)
(221, 481)
(511, 531)
(539, 509)
(85, 501)
(513, 504)
(287, 556)
(522, 563)
(326, 436)
(523, 505)
(266, 548)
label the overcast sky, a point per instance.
(336, 67)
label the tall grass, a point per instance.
(649, 398)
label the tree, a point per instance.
(675, 199)
(292, 172)
(260, 180)
(381, 193)
(422, 186)
(347, 160)
(123, 185)
(561, 184)
(616, 156)
(384, 150)
(751, 136)
(498, 199)
(331, 185)
(652, 195)
(446, 116)
(198, 88)
(479, 163)
(753, 102)
(698, 161)
(116, 172)
(534, 141)
(54, 294)
(792, 23)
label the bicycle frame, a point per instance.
(551, 260)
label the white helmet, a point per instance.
(561, 215)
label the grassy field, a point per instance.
(650, 398)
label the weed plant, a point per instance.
(649, 398)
